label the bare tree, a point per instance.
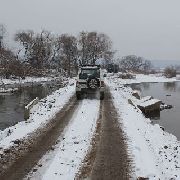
(135, 63)
(68, 52)
(93, 45)
(2, 34)
(170, 72)
(9, 65)
(44, 50)
(37, 47)
(147, 66)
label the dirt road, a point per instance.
(108, 158)
(43, 140)
(111, 159)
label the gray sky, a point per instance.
(149, 28)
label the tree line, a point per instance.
(42, 51)
(135, 64)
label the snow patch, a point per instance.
(142, 78)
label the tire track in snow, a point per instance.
(65, 160)
(108, 158)
(40, 143)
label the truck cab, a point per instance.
(90, 80)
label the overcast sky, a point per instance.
(148, 28)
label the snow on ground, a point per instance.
(9, 90)
(155, 153)
(41, 113)
(143, 78)
(26, 80)
(64, 161)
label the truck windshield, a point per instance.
(85, 73)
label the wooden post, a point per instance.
(28, 108)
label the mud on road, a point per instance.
(108, 158)
(20, 160)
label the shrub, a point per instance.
(170, 72)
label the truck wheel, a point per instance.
(101, 95)
(78, 96)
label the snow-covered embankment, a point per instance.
(155, 153)
(40, 115)
(26, 80)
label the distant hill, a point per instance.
(164, 63)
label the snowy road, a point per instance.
(64, 161)
(108, 158)
(58, 138)
(112, 161)
(91, 139)
(40, 144)
(57, 153)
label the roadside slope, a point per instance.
(154, 152)
(27, 155)
(15, 140)
(40, 115)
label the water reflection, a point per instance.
(155, 121)
(155, 115)
(170, 86)
(12, 105)
(169, 118)
(137, 87)
(2, 98)
(146, 86)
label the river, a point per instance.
(169, 93)
(12, 104)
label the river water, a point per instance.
(169, 93)
(12, 104)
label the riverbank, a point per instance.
(26, 80)
(139, 78)
(41, 113)
(30, 81)
(155, 153)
